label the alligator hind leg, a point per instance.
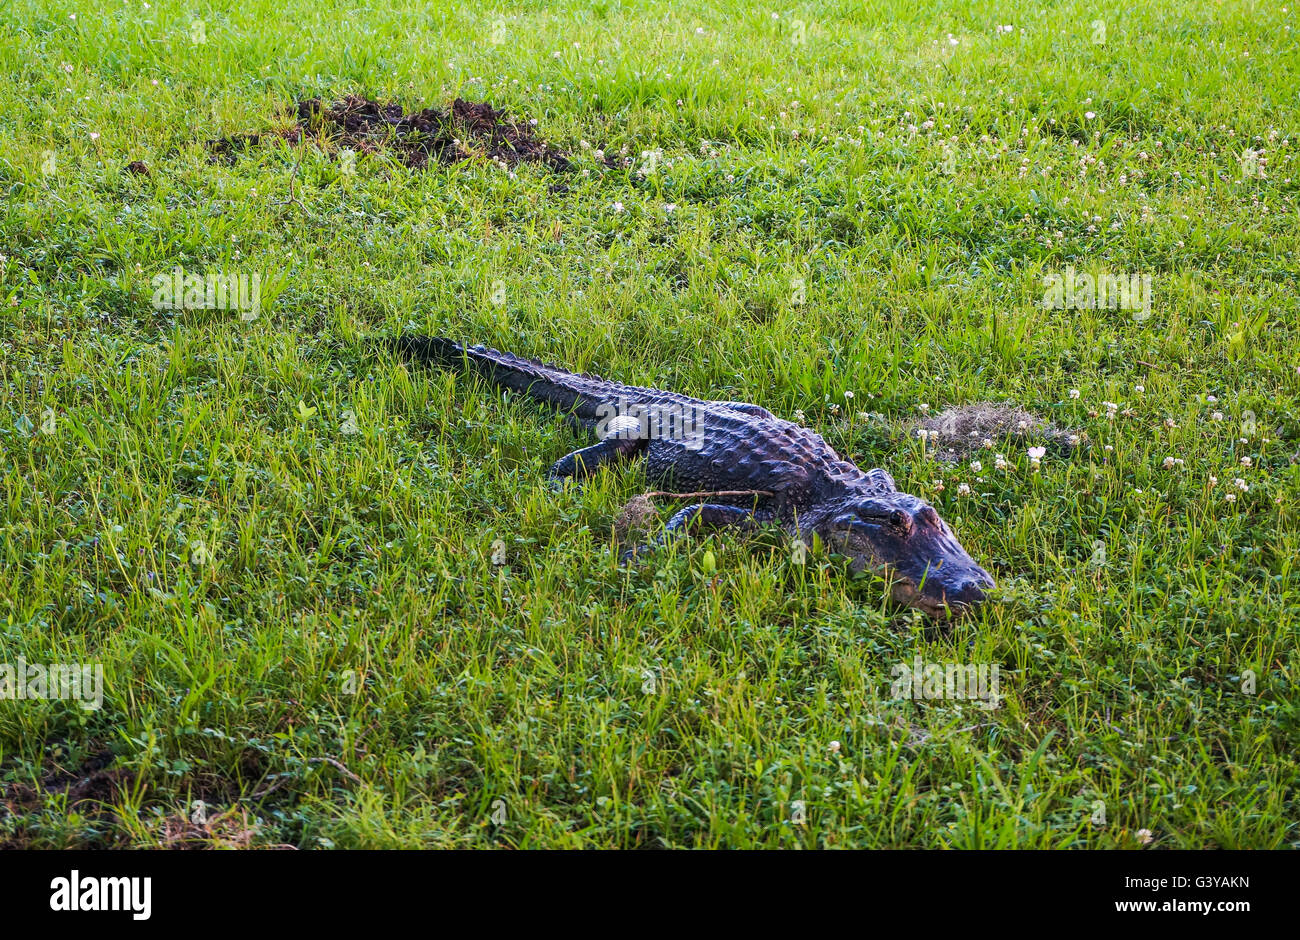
(701, 516)
(583, 463)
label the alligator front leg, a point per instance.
(583, 463)
(710, 516)
(697, 517)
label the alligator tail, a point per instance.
(579, 395)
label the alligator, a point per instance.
(757, 469)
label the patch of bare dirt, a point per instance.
(958, 432)
(91, 788)
(91, 782)
(203, 828)
(442, 135)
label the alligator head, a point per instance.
(904, 539)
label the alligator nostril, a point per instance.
(972, 592)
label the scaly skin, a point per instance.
(693, 445)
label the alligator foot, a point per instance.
(693, 519)
(583, 463)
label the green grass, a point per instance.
(303, 628)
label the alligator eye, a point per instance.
(898, 519)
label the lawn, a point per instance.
(334, 601)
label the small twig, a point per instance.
(260, 794)
(337, 765)
(293, 198)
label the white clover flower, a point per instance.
(1216, 416)
(1245, 461)
(1241, 484)
(963, 489)
(976, 466)
(1074, 393)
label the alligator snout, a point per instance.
(940, 597)
(968, 591)
(950, 580)
(903, 537)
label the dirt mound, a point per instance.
(635, 520)
(466, 129)
(960, 431)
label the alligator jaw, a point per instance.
(906, 594)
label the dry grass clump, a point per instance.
(958, 432)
